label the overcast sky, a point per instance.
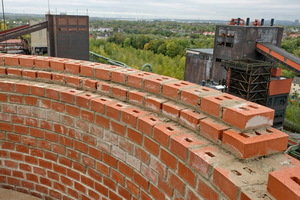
(183, 9)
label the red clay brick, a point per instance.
(72, 67)
(213, 104)
(137, 80)
(130, 116)
(136, 97)
(206, 191)
(168, 159)
(41, 62)
(103, 72)
(10, 59)
(119, 92)
(140, 180)
(163, 132)
(90, 85)
(14, 72)
(154, 104)
(98, 104)
(187, 174)
(191, 118)
(221, 178)
(172, 110)
(212, 129)
(88, 69)
(146, 124)
(285, 183)
(83, 99)
(154, 84)
(151, 146)
(177, 183)
(59, 78)
(114, 110)
(173, 90)
(44, 75)
(69, 95)
(179, 144)
(58, 64)
(120, 75)
(26, 73)
(74, 81)
(250, 115)
(255, 144)
(104, 88)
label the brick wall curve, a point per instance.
(80, 130)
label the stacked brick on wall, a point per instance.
(81, 130)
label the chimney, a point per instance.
(272, 22)
(248, 21)
(262, 22)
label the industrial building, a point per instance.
(244, 59)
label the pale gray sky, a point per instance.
(184, 9)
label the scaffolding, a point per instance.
(249, 79)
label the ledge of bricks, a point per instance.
(80, 130)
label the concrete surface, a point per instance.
(6, 194)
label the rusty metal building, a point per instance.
(68, 36)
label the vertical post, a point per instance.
(248, 21)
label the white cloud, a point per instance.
(197, 9)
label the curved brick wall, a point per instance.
(81, 130)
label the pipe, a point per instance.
(272, 22)
(248, 21)
(239, 21)
(262, 22)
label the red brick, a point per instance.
(173, 90)
(117, 128)
(113, 110)
(111, 161)
(109, 183)
(83, 99)
(165, 187)
(250, 115)
(180, 144)
(10, 59)
(104, 72)
(113, 195)
(156, 193)
(168, 159)
(285, 183)
(52, 93)
(72, 67)
(22, 88)
(163, 132)
(102, 189)
(59, 78)
(146, 124)
(135, 189)
(104, 88)
(103, 168)
(119, 92)
(204, 158)
(57, 106)
(154, 104)
(221, 178)
(212, 129)
(3, 70)
(172, 110)
(74, 81)
(118, 177)
(134, 136)
(130, 115)
(140, 180)
(187, 174)
(255, 144)
(90, 85)
(86, 115)
(88, 69)
(142, 155)
(79, 187)
(120, 75)
(213, 104)
(69, 95)
(102, 121)
(65, 161)
(57, 64)
(151, 146)
(30, 100)
(136, 97)
(5, 126)
(44, 75)
(280, 85)
(177, 183)
(191, 118)
(125, 169)
(206, 191)
(14, 72)
(15, 98)
(26, 73)
(42, 62)
(136, 80)
(98, 104)
(124, 193)
(154, 84)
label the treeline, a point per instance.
(171, 47)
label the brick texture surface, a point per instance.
(79, 130)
